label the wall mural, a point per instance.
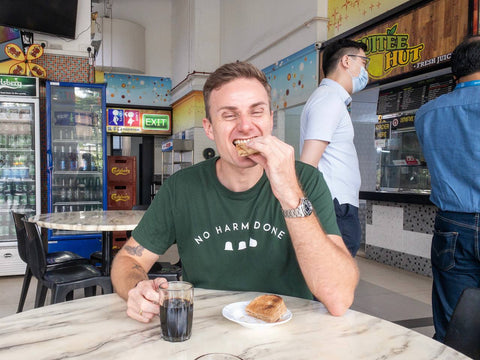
(346, 14)
(293, 79)
(138, 90)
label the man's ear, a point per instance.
(207, 126)
(345, 61)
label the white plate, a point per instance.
(236, 312)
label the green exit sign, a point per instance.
(156, 122)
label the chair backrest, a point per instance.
(36, 257)
(21, 236)
(463, 332)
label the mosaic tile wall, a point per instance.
(67, 68)
(416, 264)
(416, 218)
(362, 215)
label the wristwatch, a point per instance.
(303, 210)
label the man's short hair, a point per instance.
(335, 51)
(229, 72)
(466, 57)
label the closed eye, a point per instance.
(229, 116)
(258, 111)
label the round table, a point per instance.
(98, 328)
(105, 221)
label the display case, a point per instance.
(76, 144)
(19, 163)
(401, 166)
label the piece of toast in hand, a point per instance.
(268, 308)
(244, 150)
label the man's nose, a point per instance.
(244, 122)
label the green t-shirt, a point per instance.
(231, 240)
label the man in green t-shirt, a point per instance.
(261, 222)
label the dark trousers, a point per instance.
(349, 225)
(455, 256)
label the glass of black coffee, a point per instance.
(176, 311)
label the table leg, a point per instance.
(106, 252)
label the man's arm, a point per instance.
(312, 151)
(130, 280)
(328, 268)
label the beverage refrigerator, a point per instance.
(76, 156)
(19, 162)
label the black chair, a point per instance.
(60, 280)
(463, 332)
(53, 259)
(171, 272)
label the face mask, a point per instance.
(359, 82)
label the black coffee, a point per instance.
(176, 319)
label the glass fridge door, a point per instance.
(17, 163)
(77, 149)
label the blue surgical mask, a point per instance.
(359, 82)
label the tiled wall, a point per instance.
(67, 68)
(400, 234)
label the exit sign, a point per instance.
(156, 122)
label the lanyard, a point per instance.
(468, 84)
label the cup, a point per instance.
(218, 356)
(176, 311)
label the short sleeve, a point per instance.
(323, 117)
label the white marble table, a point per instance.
(98, 328)
(97, 220)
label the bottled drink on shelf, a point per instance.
(72, 157)
(63, 191)
(56, 157)
(31, 198)
(61, 157)
(3, 140)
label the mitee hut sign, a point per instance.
(422, 38)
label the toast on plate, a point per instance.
(268, 308)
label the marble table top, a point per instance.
(98, 220)
(98, 328)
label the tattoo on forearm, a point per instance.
(134, 250)
(139, 268)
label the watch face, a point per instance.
(304, 209)
(307, 207)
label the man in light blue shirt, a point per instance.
(326, 132)
(448, 129)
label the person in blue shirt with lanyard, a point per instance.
(448, 129)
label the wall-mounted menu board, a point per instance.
(411, 96)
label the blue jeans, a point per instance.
(455, 256)
(349, 225)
